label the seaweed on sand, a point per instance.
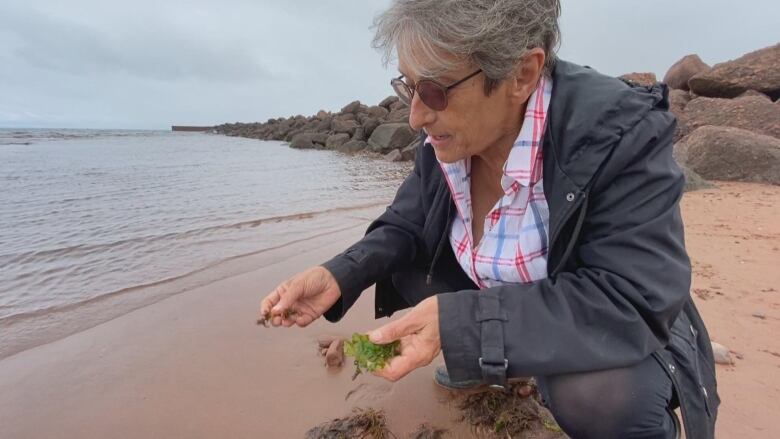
(514, 413)
(361, 423)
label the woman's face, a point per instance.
(472, 122)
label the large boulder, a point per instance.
(678, 99)
(694, 181)
(731, 154)
(388, 101)
(377, 112)
(390, 136)
(752, 113)
(352, 107)
(344, 126)
(399, 115)
(759, 70)
(336, 140)
(308, 140)
(646, 79)
(683, 70)
(369, 125)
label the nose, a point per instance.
(420, 114)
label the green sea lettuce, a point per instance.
(369, 356)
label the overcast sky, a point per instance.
(147, 64)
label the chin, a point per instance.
(448, 155)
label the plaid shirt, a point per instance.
(513, 248)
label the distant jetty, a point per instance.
(189, 128)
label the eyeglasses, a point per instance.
(433, 94)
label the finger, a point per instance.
(289, 292)
(269, 301)
(304, 320)
(394, 330)
(398, 367)
(276, 321)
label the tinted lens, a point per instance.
(403, 92)
(432, 94)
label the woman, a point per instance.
(539, 233)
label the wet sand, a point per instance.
(195, 365)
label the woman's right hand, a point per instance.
(301, 299)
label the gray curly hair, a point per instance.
(436, 36)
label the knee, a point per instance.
(608, 405)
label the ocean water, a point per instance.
(87, 215)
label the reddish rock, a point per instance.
(683, 70)
(353, 107)
(334, 357)
(731, 154)
(753, 93)
(759, 70)
(646, 79)
(752, 113)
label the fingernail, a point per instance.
(375, 336)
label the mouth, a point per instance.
(439, 141)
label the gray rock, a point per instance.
(322, 114)
(344, 126)
(336, 140)
(409, 153)
(369, 125)
(301, 141)
(683, 70)
(721, 354)
(397, 105)
(388, 101)
(377, 112)
(731, 154)
(360, 134)
(394, 156)
(694, 181)
(752, 113)
(352, 146)
(755, 71)
(390, 136)
(353, 107)
(398, 115)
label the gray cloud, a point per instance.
(149, 64)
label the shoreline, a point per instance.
(27, 330)
(195, 365)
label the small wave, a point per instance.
(19, 317)
(81, 249)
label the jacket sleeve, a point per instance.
(391, 241)
(632, 280)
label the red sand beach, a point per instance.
(195, 365)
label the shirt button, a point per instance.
(570, 197)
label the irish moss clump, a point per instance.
(266, 318)
(369, 356)
(516, 413)
(361, 423)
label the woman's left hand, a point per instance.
(418, 332)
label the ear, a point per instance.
(527, 73)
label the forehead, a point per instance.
(424, 61)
